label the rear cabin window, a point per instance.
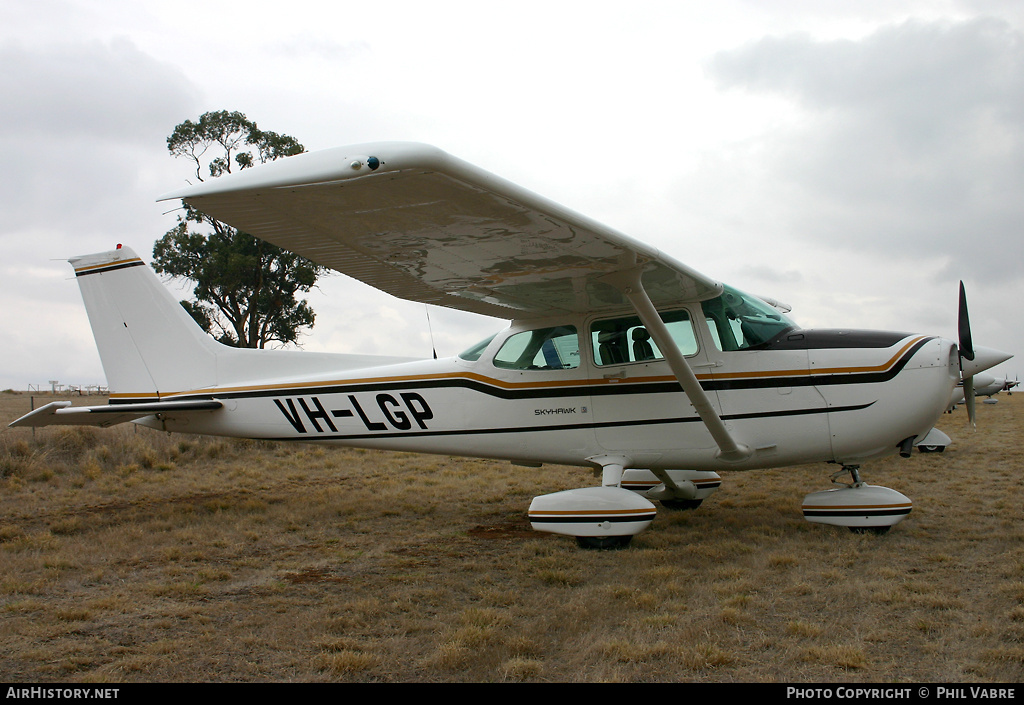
(620, 340)
(474, 353)
(555, 348)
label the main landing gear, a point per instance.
(603, 543)
(861, 507)
(605, 517)
(608, 517)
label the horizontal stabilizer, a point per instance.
(61, 413)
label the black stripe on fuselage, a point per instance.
(819, 380)
(566, 427)
(583, 389)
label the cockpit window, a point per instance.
(621, 340)
(556, 348)
(740, 321)
(474, 353)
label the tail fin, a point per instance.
(148, 343)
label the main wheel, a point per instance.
(603, 543)
(878, 530)
(681, 503)
(931, 449)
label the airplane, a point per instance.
(985, 385)
(618, 357)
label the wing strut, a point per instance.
(630, 284)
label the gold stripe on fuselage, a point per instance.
(512, 386)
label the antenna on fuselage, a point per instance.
(430, 330)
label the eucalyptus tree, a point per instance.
(246, 291)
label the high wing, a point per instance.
(61, 413)
(413, 221)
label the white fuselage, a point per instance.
(843, 396)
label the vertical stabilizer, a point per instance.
(148, 343)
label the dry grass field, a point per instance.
(128, 555)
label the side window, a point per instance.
(713, 327)
(620, 340)
(555, 348)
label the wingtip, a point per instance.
(335, 164)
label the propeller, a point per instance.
(973, 359)
(963, 325)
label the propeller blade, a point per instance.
(969, 400)
(964, 327)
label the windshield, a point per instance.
(739, 321)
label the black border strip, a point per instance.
(592, 519)
(100, 270)
(864, 512)
(158, 407)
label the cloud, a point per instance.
(909, 141)
(308, 45)
(102, 90)
(83, 145)
(84, 125)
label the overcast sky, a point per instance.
(855, 159)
